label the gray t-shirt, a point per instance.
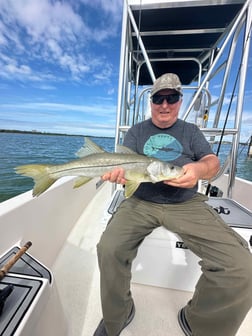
(179, 144)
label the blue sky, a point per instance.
(59, 64)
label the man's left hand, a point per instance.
(188, 180)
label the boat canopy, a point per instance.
(179, 36)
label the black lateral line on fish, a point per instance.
(96, 166)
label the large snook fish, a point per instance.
(94, 161)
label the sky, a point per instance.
(59, 66)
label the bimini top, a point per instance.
(175, 32)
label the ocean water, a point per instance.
(23, 148)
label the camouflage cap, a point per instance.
(167, 81)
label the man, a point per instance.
(223, 293)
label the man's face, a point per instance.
(165, 114)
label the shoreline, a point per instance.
(89, 136)
(49, 133)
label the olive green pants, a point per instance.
(223, 294)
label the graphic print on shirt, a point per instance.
(163, 147)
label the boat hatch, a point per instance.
(31, 283)
(26, 265)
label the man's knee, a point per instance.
(244, 273)
(247, 267)
(107, 246)
(104, 246)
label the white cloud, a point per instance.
(111, 7)
(53, 34)
(45, 87)
(44, 108)
(3, 40)
(43, 19)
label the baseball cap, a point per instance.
(167, 81)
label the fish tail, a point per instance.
(39, 174)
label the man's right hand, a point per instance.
(116, 176)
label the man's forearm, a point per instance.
(209, 166)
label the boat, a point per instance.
(55, 283)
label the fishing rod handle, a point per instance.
(14, 259)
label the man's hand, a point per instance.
(188, 180)
(205, 169)
(116, 175)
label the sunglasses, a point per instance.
(171, 98)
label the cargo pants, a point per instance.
(223, 294)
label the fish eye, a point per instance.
(172, 167)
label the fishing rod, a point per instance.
(4, 270)
(6, 291)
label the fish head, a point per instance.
(161, 171)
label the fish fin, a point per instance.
(88, 148)
(39, 174)
(130, 188)
(124, 150)
(81, 181)
(154, 179)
